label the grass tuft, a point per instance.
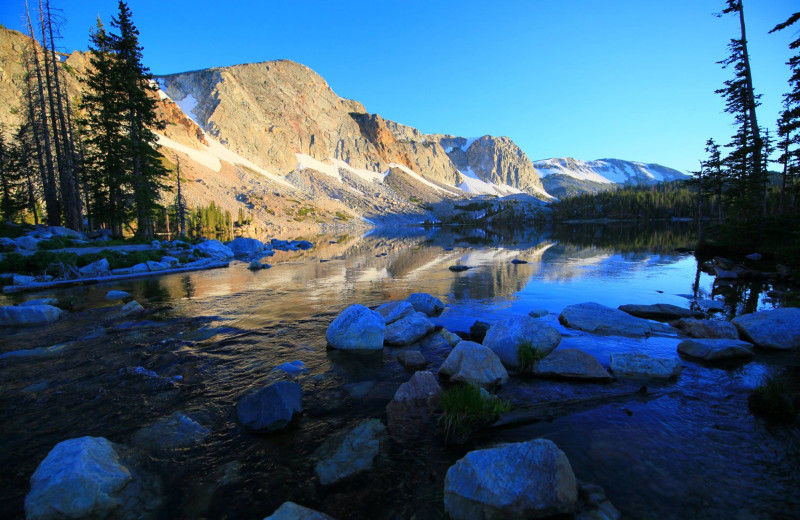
(528, 356)
(466, 407)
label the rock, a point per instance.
(506, 336)
(349, 452)
(411, 358)
(157, 266)
(413, 405)
(775, 329)
(155, 244)
(255, 265)
(408, 330)
(66, 232)
(755, 257)
(22, 279)
(245, 246)
(95, 269)
(101, 235)
(8, 245)
(423, 302)
(170, 261)
(518, 261)
(599, 319)
(641, 365)
(660, 311)
(595, 504)
(725, 274)
(302, 244)
(215, 249)
(292, 511)
(478, 331)
(716, 349)
(724, 263)
(271, 408)
(357, 328)
(139, 268)
(571, 363)
(393, 311)
(39, 301)
(116, 295)
(707, 328)
(27, 243)
(459, 268)
(512, 482)
(79, 478)
(129, 309)
(174, 431)
(711, 305)
(293, 368)
(29, 315)
(538, 313)
(475, 364)
(451, 338)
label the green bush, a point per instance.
(465, 407)
(56, 243)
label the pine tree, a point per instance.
(145, 170)
(180, 201)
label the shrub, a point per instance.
(56, 243)
(528, 356)
(465, 407)
(775, 399)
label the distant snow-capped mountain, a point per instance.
(567, 176)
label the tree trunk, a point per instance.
(758, 143)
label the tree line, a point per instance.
(94, 165)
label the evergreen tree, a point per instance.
(180, 202)
(144, 168)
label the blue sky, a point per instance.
(589, 79)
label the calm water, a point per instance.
(689, 450)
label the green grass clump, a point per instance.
(775, 399)
(465, 407)
(528, 356)
(56, 243)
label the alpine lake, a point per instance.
(685, 448)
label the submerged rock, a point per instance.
(507, 336)
(599, 319)
(642, 365)
(660, 311)
(707, 328)
(174, 431)
(29, 315)
(292, 511)
(272, 407)
(347, 453)
(79, 478)
(116, 295)
(716, 349)
(357, 328)
(775, 329)
(475, 364)
(408, 330)
(423, 302)
(411, 358)
(413, 405)
(538, 313)
(571, 363)
(514, 482)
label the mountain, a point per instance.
(563, 177)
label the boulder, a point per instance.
(66, 232)
(95, 269)
(514, 482)
(599, 319)
(474, 364)
(411, 358)
(660, 311)
(350, 452)
(413, 405)
(245, 246)
(116, 295)
(131, 308)
(423, 302)
(140, 268)
(775, 329)
(724, 263)
(8, 244)
(707, 328)
(174, 431)
(215, 249)
(292, 511)
(79, 478)
(29, 315)
(716, 349)
(638, 365)
(571, 363)
(170, 261)
(538, 313)
(393, 311)
(408, 330)
(255, 265)
(27, 243)
(22, 279)
(507, 336)
(271, 408)
(157, 266)
(725, 274)
(357, 328)
(478, 331)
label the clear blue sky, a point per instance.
(590, 79)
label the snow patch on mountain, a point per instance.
(608, 171)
